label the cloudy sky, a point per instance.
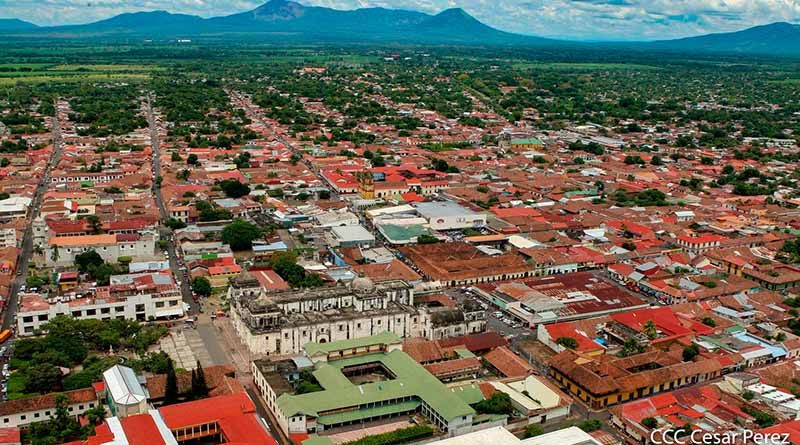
(577, 19)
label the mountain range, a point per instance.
(289, 21)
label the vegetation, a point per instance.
(497, 403)
(233, 188)
(285, 265)
(762, 418)
(649, 330)
(650, 422)
(63, 427)
(632, 347)
(567, 342)
(690, 352)
(70, 343)
(400, 436)
(427, 239)
(201, 286)
(240, 235)
(307, 383)
(533, 430)
(590, 425)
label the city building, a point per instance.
(63, 250)
(407, 388)
(141, 297)
(280, 322)
(447, 215)
(23, 412)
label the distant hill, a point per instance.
(773, 39)
(15, 25)
(289, 20)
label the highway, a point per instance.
(12, 304)
(166, 233)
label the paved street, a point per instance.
(10, 311)
(166, 234)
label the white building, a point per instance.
(8, 237)
(63, 249)
(281, 323)
(351, 236)
(127, 299)
(124, 394)
(14, 207)
(22, 412)
(501, 436)
(447, 215)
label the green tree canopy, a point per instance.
(240, 235)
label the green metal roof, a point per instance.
(469, 394)
(367, 413)
(412, 381)
(395, 232)
(526, 141)
(384, 338)
(464, 353)
(330, 377)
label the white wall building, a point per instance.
(24, 412)
(447, 215)
(63, 250)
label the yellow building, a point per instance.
(607, 380)
(366, 184)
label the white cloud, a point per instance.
(582, 19)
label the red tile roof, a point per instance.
(508, 363)
(200, 412)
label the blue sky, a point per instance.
(577, 19)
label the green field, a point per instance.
(566, 66)
(44, 77)
(35, 73)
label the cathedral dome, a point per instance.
(362, 284)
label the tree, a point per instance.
(533, 431)
(201, 286)
(42, 378)
(634, 159)
(427, 239)
(240, 235)
(567, 342)
(96, 415)
(748, 395)
(233, 188)
(285, 265)
(87, 260)
(590, 425)
(102, 273)
(192, 159)
(632, 347)
(656, 160)
(175, 224)
(498, 403)
(324, 194)
(171, 388)
(650, 330)
(708, 321)
(690, 352)
(63, 427)
(176, 157)
(199, 385)
(650, 422)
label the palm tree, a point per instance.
(649, 329)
